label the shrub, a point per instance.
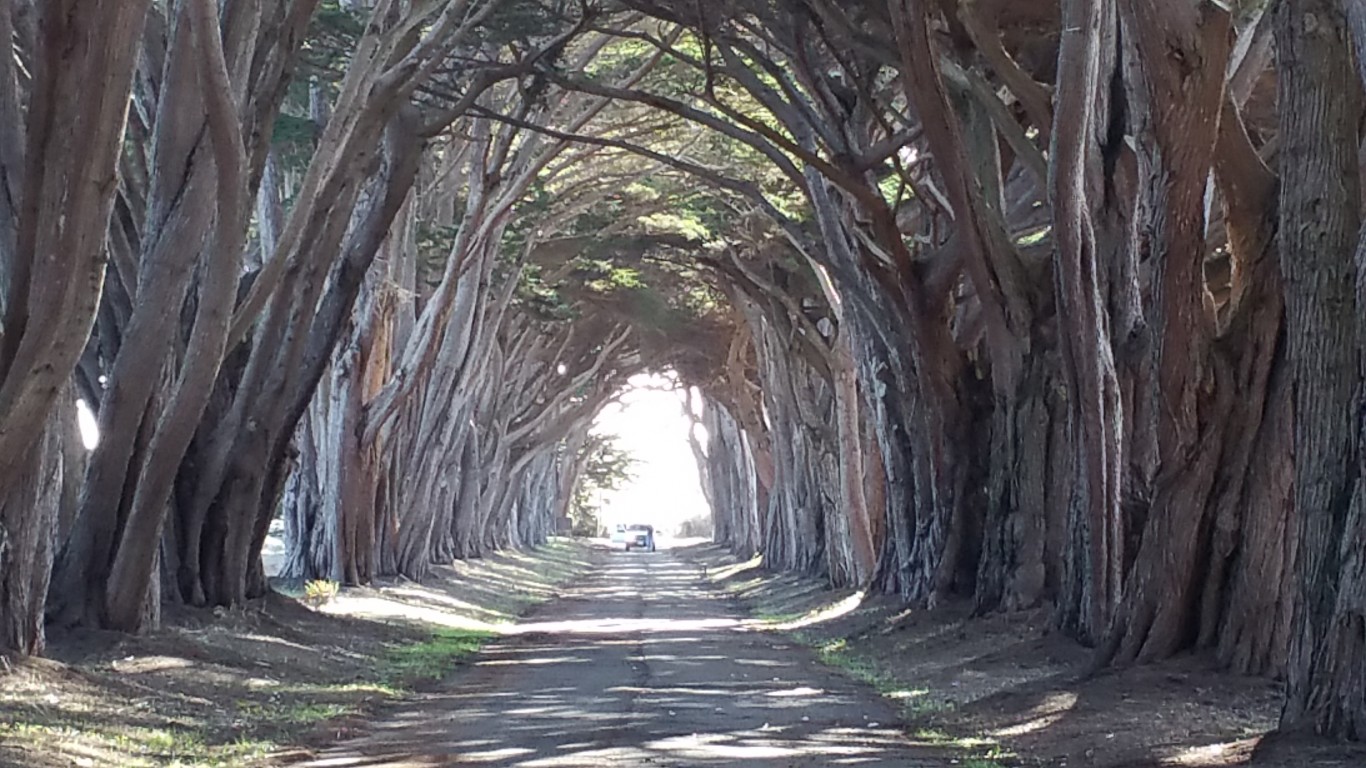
(320, 591)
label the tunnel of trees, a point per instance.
(1028, 303)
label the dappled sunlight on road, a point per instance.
(434, 605)
(643, 664)
(620, 625)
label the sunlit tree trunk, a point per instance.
(852, 461)
(731, 479)
(1090, 591)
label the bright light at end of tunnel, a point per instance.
(650, 423)
(85, 422)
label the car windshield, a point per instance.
(640, 528)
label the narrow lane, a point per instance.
(640, 664)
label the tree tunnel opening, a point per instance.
(928, 299)
(641, 463)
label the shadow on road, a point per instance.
(642, 664)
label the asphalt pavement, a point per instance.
(642, 663)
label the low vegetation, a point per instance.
(263, 683)
(434, 658)
(320, 591)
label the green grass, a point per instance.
(262, 725)
(258, 714)
(141, 746)
(432, 659)
(374, 689)
(287, 713)
(914, 701)
(784, 617)
(836, 653)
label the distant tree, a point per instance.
(605, 468)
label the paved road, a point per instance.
(640, 664)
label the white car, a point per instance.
(640, 537)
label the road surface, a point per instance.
(642, 663)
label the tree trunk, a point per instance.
(134, 564)
(731, 474)
(1025, 444)
(239, 468)
(851, 460)
(1176, 108)
(179, 212)
(56, 201)
(1093, 555)
(1320, 248)
(29, 510)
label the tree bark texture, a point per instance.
(1320, 251)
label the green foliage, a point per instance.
(1035, 237)
(619, 59)
(292, 131)
(434, 243)
(294, 135)
(603, 276)
(597, 218)
(540, 299)
(702, 299)
(606, 468)
(520, 21)
(893, 189)
(333, 18)
(332, 37)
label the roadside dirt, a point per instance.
(266, 684)
(1005, 691)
